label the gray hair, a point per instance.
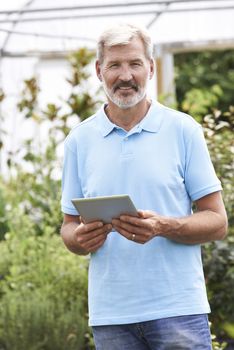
(122, 34)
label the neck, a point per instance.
(127, 118)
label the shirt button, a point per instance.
(126, 139)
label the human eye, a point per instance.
(113, 65)
(136, 64)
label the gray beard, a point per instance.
(125, 102)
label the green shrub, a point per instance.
(33, 320)
(218, 260)
(218, 256)
(43, 290)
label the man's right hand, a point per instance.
(90, 237)
(81, 238)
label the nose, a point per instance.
(125, 73)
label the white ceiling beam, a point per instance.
(110, 5)
(111, 14)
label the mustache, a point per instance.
(121, 84)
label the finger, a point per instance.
(87, 235)
(139, 222)
(119, 224)
(131, 236)
(145, 214)
(87, 228)
(93, 225)
(142, 234)
(128, 231)
(95, 244)
(140, 213)
(97, 241)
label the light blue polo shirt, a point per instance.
(164, 165)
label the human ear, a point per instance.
(98, 70)
(152, 68)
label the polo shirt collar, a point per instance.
(153, 119)
(106, 126)
(151, 122)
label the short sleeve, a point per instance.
(70, 180)
(200, 176)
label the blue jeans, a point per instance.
(173, 333)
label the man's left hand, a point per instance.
(139, 229)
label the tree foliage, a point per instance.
(204, 80)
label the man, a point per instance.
(146, 283)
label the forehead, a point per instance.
(133, 50)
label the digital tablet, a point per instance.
(104, 208)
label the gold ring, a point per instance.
(133, 237)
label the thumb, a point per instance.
(145, 214)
